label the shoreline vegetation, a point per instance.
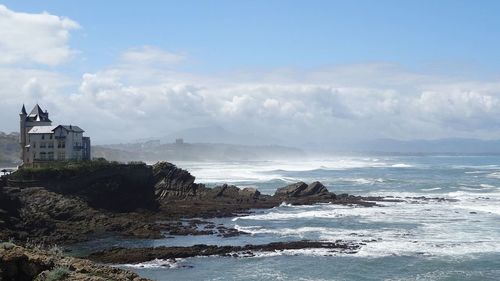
(73, 202)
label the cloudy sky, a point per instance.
(290, 71)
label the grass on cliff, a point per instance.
(68, 169)
(58, 273)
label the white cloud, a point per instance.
(151, 55)
(139, 98)
(34, 38)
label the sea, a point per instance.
(419, 238)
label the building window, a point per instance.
(61, 155)
(61, 144)
(34, 144)
(50, 155)
(50, 136)
(43, 145)
(43, 136)
(51, 145)
(43, 155)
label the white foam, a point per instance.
(431, 189)
(477, 172)
(156, 263)
(312, 252)
(401, 165)
(365, 180)
(495, 175)
(284, 204)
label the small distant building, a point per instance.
(42, 143)
(179, 141)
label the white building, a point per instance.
(43, 143)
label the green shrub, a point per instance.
(57, 274)
(58, 169)
(7, 245)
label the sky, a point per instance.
(294, 72)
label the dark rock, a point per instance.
(249, 192)
(173, 182)
(225, 190)
(292, 190)
(301, 189)
(315, 188)
(137, 255)
(111, 186)
(23, 264)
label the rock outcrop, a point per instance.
(301, 189)
(231, 192)
(172, 182)
(23, 264)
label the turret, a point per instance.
(22, 130)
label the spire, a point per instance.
(36, 110)
(23, 110)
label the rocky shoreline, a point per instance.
(58, 212)
(73, 204)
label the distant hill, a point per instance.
(155, 151)
(9, 149)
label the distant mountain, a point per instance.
(9, 149)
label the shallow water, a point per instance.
(417, 239)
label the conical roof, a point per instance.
(37, 114)
(23, 110)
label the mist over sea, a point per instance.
(418, 239)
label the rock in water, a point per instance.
(249, 192)
(315, 188)
(301, 189)
(292, 190)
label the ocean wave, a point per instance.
(476, 172)
(431, 189)
(402, 165)
(312, 252)
(412, 248)
(156, 263)
(495, 175)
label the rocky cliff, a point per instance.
(106, 185)
(26, 264)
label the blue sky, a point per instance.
(289, 71)
(224, 35)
